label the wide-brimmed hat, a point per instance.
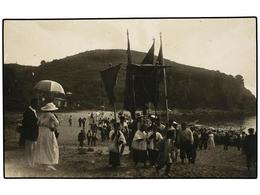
(174, 123)
(49, 107)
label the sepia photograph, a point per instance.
(130, 98)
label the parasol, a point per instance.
(49, 86)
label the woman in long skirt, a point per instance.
(47, 150)
(211, 142)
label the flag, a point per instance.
(109, 77)
(160, 56)
(129, 98)
(146, 82)
(149, 57)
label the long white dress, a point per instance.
(211, 142)
(47, 150)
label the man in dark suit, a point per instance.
(250, 148)
(30, 131)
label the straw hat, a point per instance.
(49, 107)
(175, 123)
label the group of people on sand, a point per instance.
(149, 140)
(38, 136)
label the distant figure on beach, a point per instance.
(92, 121)
(80, 121)
(81, 138)
(238, 141)
(89, 135)
(186, 141)
(70, 120)
(116, 146)
(226, 140)
(211, 142)
(250, 149)
(204, 139)
(83, 121)
(30, 131)
(194, 145)
(243, 137)
(47, 149)
(93, 136)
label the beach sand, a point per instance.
(75, 163)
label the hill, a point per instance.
(188, 87)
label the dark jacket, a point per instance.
(30, 127)
(250, 144)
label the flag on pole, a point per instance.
(129, 99)
(160, 55)
(109, 77)
(149, 57)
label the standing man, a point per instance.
(154, 138)
(250, 149)
(186, 142)
(31, 131)
(116, 146)
(70, 120)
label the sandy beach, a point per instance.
(75, 163)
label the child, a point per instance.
(70, 120)
(81, 138)
(94, 136)
(89, 135)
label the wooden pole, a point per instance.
(165, 86)
(133, 91)
(114, 107)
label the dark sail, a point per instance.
(109, 77)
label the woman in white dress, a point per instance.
(211, 142)
(47, 150)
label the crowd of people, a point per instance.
(150, 141)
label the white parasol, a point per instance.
(49, 86)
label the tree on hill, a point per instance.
(188, 87)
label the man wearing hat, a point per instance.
(250, 148)
(186, 141)
(30, 131)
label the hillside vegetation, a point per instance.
(188, 87)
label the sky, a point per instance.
(227, 45)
